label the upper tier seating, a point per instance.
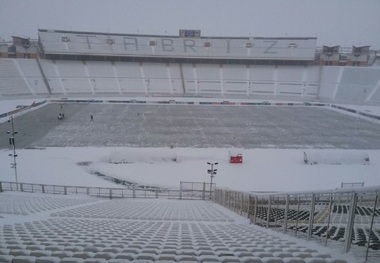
(33, 75)
(354, 85)
(12, 83)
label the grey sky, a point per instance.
(333, 22)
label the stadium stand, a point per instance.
(130, 79)
(235, 79)
(157, 78)
(291, 80)
(87, 63)
(174, 74)
(209, 79)
(74, 76)
(329, 83)
(52, 77)
(313, 80)
(323, 216)
(357, 84)
(13, 81)
(33, 76)
(375, 95)
(262, 80)
(102, 77)
(87, 229)
(190, 79)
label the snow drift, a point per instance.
(143, 155)
(335, 157)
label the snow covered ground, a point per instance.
(262, 170)
(9, 105)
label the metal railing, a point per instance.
(348, 217)
(104, 192)
(196, 190)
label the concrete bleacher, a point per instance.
(351, 85)
(190, 79)
(176, 79)
(33, 75)
(357, 84)
(374, 95)
(87, 229)
(329, 82)
(52, 76)
(156, 78)
(209, 79)
(262, 80)
(312, 82)
(18, 204)
(73, 76)
(130, 79)
(291, 80)
(13, 83)
(235, 79)
(102, 77)
(354, 85)
(375, 98)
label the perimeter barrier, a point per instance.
(188, 190)
(196, 190)
(348, 217)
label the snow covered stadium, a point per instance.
(116, 134)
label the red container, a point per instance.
(236, 158)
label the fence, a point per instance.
(349, 216)
(196, 190)
(187, 192)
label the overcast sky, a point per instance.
(333, 22)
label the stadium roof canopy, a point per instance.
(58, 42)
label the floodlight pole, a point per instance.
(212, 173)
(12, 141)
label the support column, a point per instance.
(241, 203)
(286, 214)
(351, 222)
(337, 83)
(268, 210)
(311, 217)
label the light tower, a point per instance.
(212, 173)
(12, 141)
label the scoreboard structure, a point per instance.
(189, 33)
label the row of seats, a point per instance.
(24, 204)
(149, 210)
(301, 213)
(152, 241)
(22, 77)
(337, 233)
(299, 216)
(339, 84)
(61, 238)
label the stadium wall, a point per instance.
(335, 84)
